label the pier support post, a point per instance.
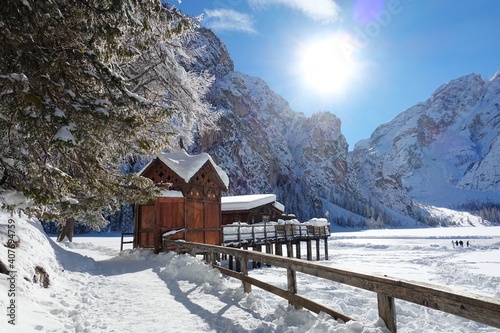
(238, 264)
(278, 248)
(326, 248)
(289, 249)
(297, 250)
(317, 249)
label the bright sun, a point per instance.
(325, 67)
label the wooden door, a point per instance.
(171, 216)
(146, 226)
(212, 222)
(194, 221)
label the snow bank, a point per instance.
(31, 263)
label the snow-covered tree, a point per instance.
(85, 85)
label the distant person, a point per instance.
(453, 243)
(468, 244)
(461, 243)
(456, 243)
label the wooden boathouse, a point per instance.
(191, 208)
(252, 208)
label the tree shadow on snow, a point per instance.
(216, 321)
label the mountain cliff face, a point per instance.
(443, 151)
(265, 147)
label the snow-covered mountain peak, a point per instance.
(443, 148)
(496, 76)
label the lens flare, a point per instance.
(325, 66)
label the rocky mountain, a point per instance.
(442, 152)
(265, 147)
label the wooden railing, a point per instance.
(241, 234)
(482, 309)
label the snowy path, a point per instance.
(114, 297)
(137, 290)
(104, 304)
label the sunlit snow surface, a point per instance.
(96, 288)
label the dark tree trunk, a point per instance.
(66, 230)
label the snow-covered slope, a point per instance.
(444, 151)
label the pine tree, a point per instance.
(85, 85)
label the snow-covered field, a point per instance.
(96, 288)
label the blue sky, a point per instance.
(390, 54)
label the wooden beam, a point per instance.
(292, 284)
(317, 249)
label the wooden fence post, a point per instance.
(387, 311)
(292, 284)
(482, 309)
(247, 287)
(238, 264)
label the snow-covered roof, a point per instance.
(171, 194)
(186, 165)
(246, 202)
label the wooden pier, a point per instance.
(274, 238)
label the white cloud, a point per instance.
(319, 10)
(228, 20)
